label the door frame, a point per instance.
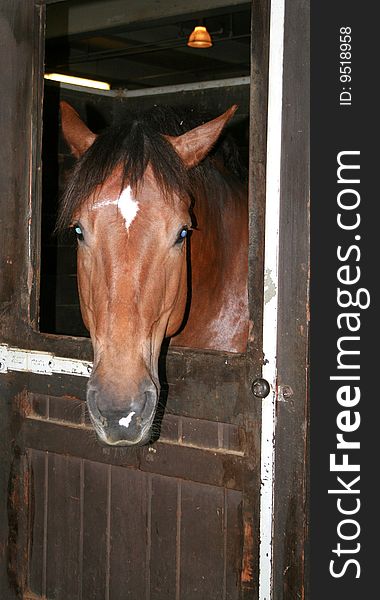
(288, 414)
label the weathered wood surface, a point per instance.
(20, 60)
(132, 534)
(291, 493)
(78, 520)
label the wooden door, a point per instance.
(178, 519)
(175, 520)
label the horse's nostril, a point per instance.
(150, 399)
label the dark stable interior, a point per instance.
(107, 55)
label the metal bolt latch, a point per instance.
(260, 388)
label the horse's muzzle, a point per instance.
(129, 425)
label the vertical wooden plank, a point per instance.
(94, 531)
(20, 35)
(17, 41)
(63, 528)
(233, 543)
(290, 497)
(178, 542)
(164, 533)
(37, 519)
(260, 21)
(202, 542)
(257, 173)
(129, 538)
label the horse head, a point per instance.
(131, 217)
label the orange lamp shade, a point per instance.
(199, 38)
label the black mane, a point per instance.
(138, 141)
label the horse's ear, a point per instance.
(76, 133)
(195, 144)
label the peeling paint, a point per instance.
(270, 289)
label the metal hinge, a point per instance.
(44, 363)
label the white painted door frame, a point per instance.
(270, 309)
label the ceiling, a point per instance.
(135, 44)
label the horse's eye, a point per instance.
(182, 235)
(79, 232)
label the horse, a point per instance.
(159, 207)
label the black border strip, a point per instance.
(344, 120)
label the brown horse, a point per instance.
(135, 194)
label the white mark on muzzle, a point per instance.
(125, 421)
(128, 206)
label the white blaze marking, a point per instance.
(128, 206)
(125, 421)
